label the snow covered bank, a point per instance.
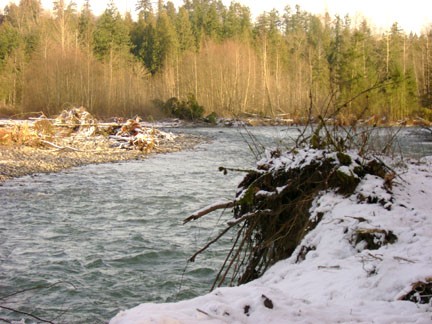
(336, 274)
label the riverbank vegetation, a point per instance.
(218, 56)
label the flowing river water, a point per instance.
(97, 239)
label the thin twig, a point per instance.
(192, 258)
(336, 267)
(374, 256)
(225, 170)
(391, 169)
(246, 238)
(227, 258)
(35, 288)
(398, 258)
(378, 85)
(253, 143)
(201, 311)
(30, 289)
(266, 212)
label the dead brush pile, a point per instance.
(133, 136)
(272, 207)
(20, 134)
(78, 130)
(75, 138)
(69, 130)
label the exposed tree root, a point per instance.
(272, 207)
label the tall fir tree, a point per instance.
(111, 34)
(184, 31)
(143, 37)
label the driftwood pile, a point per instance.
(131, 135)
(79, 120)
(272, 207)
(78, 130)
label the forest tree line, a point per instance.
(292, 63)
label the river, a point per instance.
(97, 239)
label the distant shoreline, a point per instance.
(17, 160)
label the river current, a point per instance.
(97, 239)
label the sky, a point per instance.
(412, 15)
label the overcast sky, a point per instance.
(412, 15)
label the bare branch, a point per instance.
(231, 224)
(206, 210)
(266, 212)
(398, 258)
(227, 258)
(192, 258)
(225, 170)
(35, 288)
(30, 289)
